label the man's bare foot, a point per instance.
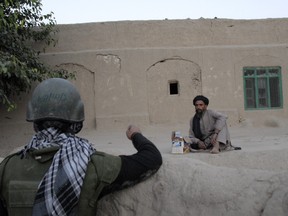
(215, 149)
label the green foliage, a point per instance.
(22, 24)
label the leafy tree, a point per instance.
(21, 25)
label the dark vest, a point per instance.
(20, 179)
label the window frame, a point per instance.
(173, 82)
(255, 89)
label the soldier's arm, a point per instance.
(137, 167)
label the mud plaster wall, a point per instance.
(124, 70)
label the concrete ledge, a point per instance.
(190, 187)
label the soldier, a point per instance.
(59, 173)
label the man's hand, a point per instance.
(201, 144)
(131, 130)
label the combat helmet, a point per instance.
(55, 99)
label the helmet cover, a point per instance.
(55, 99)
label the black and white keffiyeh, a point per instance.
(59, 191)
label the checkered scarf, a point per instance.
(59, 191)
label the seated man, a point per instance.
(208, 128)
(59, 173)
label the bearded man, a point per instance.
(208, 128)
